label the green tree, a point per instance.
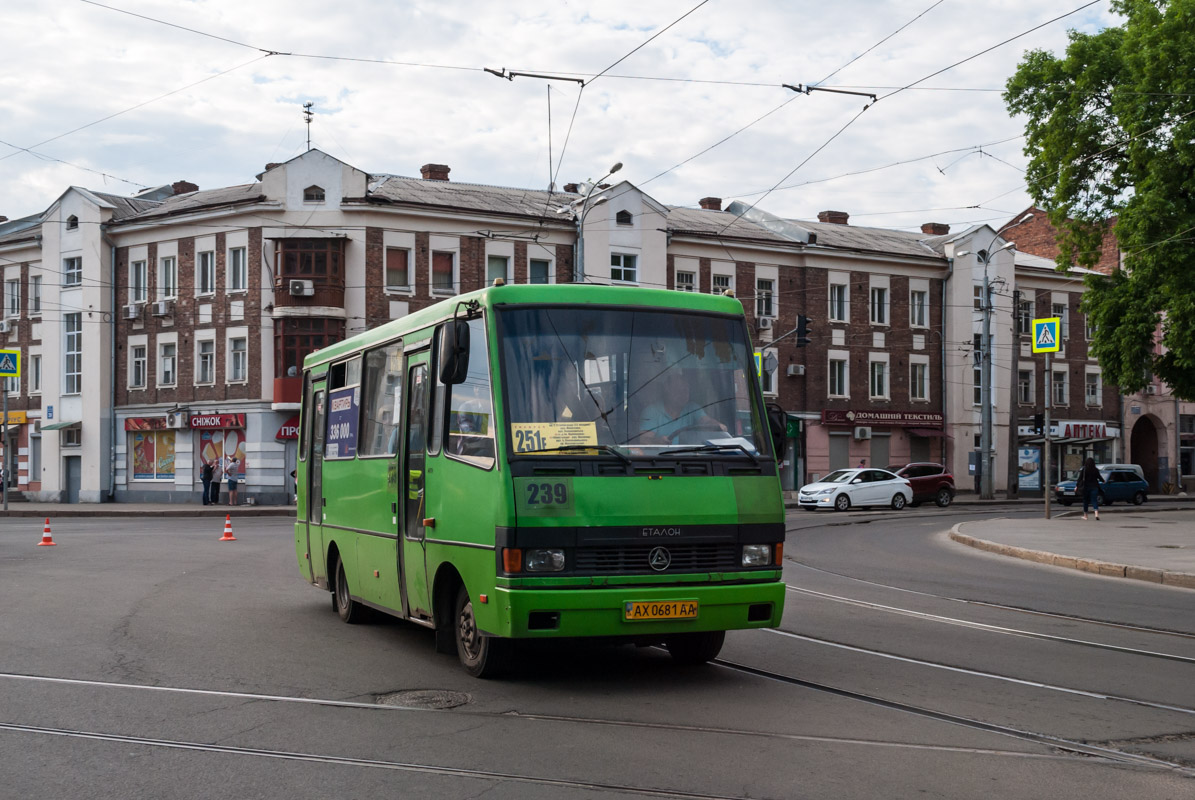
(1111, 135)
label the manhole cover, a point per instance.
(424, 698)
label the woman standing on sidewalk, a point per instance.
(1089, 484)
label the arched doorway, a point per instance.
(1143, 450)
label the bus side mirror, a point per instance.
(454, 352)
(778, 426)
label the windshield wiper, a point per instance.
(574, 447)
(711, 448)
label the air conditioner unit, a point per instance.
(795, 370)
(177, 419)
(132, 311)
(765, 323)
(161, 308)
(862, 432)
(5, 326)
(1151, 389)
(301, 288)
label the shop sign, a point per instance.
(217, 421)
(1075, 429)
(145, 424)
(17, 418)
(289, 429)
(916, 419)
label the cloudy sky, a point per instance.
(123, 94)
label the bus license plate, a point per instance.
(674, 609)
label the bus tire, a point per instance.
(695, 648)
(348, 609)
(481, 656)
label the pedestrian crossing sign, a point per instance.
(10, 363)
(1045, 335)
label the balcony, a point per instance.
(288, 392)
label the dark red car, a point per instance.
(929, 482)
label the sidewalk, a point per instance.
(52, 510)
(1155, 544)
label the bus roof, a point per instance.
(524, 294)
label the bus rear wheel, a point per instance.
(349, 610)
(481, 656)
(695, 648)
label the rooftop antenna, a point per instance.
(307, 115)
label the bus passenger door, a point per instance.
(315, 471)
(412, 483)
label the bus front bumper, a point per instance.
(553, 613)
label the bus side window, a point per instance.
(439, 395)
(470, 409)
(381, 401)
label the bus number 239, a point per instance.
(547, 494)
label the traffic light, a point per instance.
(1039, 422)
(802, 330)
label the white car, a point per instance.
(844, 488)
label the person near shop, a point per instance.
(1088, 485)
(206, 473)
(230, 472)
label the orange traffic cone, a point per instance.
(46, 539)
(227, 537)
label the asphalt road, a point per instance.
(143, 658)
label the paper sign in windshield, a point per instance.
(531, 436)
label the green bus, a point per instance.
(545, 461)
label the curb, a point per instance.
(67, 511)
(1183, 580)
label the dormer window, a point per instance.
(72, 223)
(623, 218)
(313, 194)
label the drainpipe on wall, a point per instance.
(942, 362)
(112, 374)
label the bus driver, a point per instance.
(672, 412)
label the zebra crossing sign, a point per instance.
(1045, 335)
(10, 363)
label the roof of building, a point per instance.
(17, 229)
(193, 201)
(469, 196)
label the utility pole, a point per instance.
(308, 114)
(985, 440)
(1014, 472)
(1046, 435)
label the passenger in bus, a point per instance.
(673, 415)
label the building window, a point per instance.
(34, 295)
(295, 338)
(623, 218)
(1089, 327)
(72, 223)
(879, 306)
(763, 298)
(205, 273)
(168, 280)
(977, 296)
(137, 367)
(152, 455)
(1025, 387)
(10, 385)
(72, 272)
(497, 267)
(138, 282)
(1025, 318)
(443, 271)
(318, 259)
(167, 364)
(239, 360)
(72, 363)
(205, 362)
(838, 378)
(838, 299)
(398, 269)
(720, 284)
(1061, 394)
(879, 380)
(12, 298)
(35, 374)
(918, 306)
(623, 268)
(538, 271)
(238, 270)
(70, 437)
(918, 381)
(1093, 390)
(1064, 328)
(685, 282)
(313, 194)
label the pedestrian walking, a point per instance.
(1088, 485)
(230, 472)
(206, 473)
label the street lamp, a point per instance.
(986, 491)
(580, 209)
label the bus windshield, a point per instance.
(629, 381)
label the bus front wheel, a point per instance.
(481, 656)
(695, 648)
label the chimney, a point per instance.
(3, 219)
(182, 187)
(435, 172)
(935, 228)
(272, 164)
(572, 188)
(711, 203)
(833, 217)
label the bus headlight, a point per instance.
(757, 555)
(543, 560)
